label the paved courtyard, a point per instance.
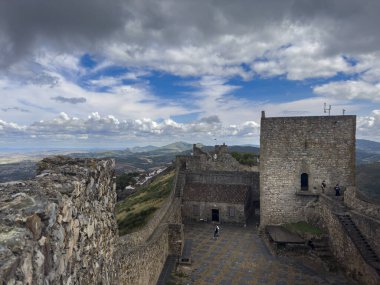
(239, 256)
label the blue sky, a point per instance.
(101, 74)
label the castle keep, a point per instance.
(215, 187)
(296, 155)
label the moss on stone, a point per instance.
(303, 228)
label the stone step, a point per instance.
(360, 241)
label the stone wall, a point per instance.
(367, 208)
(205, 210)
(141, 255)
(142, 265)
(366, 216)
(217, 160)
(209, 173)
(226, 178)
(369, 227)
(321, 147)
(343, 248)
(60, 228)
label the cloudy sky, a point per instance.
(121, 73)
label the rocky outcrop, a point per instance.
(59, 228)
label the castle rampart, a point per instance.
(60, 228)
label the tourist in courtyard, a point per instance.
(323, 186)
(216, 232)
(337, 190)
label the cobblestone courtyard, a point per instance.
(239, 256)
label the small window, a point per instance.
(304, 182)
(196, 210)
(231, 211)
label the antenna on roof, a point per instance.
(325, 109)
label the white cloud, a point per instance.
(350, 90)
(111, 128)
(369, 126)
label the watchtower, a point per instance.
(296, 155)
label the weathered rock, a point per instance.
(57, 228)
(33, 223)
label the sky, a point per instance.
(114, 74)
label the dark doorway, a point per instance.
(215, 215)
(304, 182)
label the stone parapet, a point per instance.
(354, 201)
(343, 247)
(59, 228)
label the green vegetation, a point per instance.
(303, 228)
(245, 158)
(135, 211)
(126, 179)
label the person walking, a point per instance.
(216, 232)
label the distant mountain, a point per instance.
(172, 148)
(369, 146)
(147, 148)
(147, 157)
(367, 151)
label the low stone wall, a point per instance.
(60, 228)
(352, 200)
(366, 216)
(176, 238)
(343, 247)
(369, 227)
(142, 264)
(224, 177)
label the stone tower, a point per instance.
(296, 155)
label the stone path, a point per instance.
(240, 257)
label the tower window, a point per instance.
(304, 182)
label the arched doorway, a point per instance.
(304, 182)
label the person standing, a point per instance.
(323, 186)
(337, 190)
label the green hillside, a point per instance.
(135, 211)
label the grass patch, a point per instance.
(303, 228)
(135, 211)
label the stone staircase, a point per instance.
(360, 242)
(322, 250)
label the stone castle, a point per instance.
(60, 228)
